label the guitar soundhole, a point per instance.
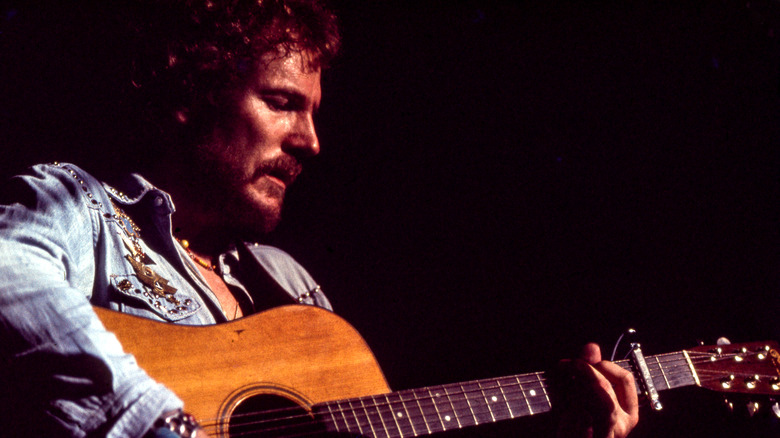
(272, 416)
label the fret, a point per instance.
(505, 398)
(495, 399)
(449, 406)
(335, 420)
(680, 370)
(526, 395)
(386, 416)
(663, 375)
(442, 407)
(415, 411)
(373, 418)
(488, 401)
(397, 408)
(460, 405)
(543, 387)
(361, 417)
(510, 390)
(539, 398)
(346, 416)
(432, 419)
(477, 402)
(673, 369)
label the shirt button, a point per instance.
(158, 201)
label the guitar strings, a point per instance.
(420, 390)
(672, 360)
(681, 363)
(372, 405)
(424, 402)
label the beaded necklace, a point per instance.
(186, 245)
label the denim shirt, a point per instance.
(65, 239)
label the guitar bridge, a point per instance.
(645, 378)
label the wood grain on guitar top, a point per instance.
(301, 352)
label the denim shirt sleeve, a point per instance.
(56, 359)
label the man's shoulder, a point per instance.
(61, 182)
(127, 188)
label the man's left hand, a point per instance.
(599, 399)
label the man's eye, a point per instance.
(278, 103)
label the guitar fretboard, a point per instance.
(439, 408)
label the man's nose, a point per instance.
(303, 141)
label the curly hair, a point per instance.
(94, 80)
(188, 53)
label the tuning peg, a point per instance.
(723, 341)
(726, 382)
(752, 408)
(775, 408)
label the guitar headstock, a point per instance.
(749, 368)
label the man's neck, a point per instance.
(202, 227)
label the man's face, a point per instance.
(254, 152)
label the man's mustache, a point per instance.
(285, 168)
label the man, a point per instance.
(229, 91)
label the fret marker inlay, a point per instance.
(532, 392)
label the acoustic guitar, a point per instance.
(298, 371)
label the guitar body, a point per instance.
(302, 353)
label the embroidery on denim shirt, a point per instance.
(91, 201)
(158, 292)
(129, 285)
(116, 193)
(153, 288)
(307, 297)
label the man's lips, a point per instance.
(283, 170)
(279, 181)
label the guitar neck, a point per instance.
(439, 408)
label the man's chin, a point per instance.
(253, 219)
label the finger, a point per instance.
(588, 400)
(625, 388)
(575, 388)
(605, 407)
(591, 353)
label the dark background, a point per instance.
(503, 181)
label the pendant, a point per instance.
(136, 251)
(153, 280)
